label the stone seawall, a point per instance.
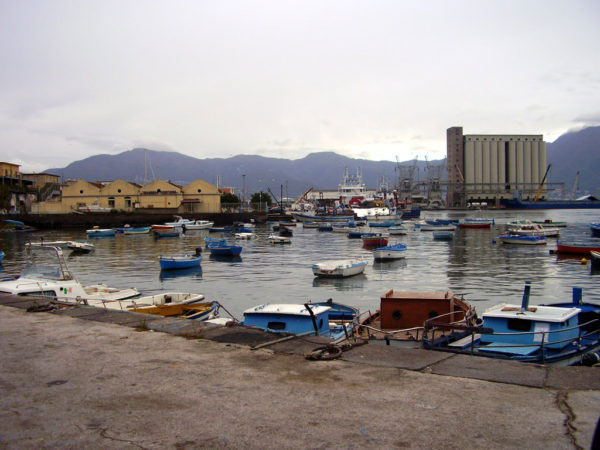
(109, 220)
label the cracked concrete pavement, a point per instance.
(67, 382)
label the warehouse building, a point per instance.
(484, 168)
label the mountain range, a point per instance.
(570, 153)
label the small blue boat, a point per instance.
(383, 224)
(355, 234)
(595, 228)
(223, 249)
(1, 256)
(325, 226)
(390, 252)
(180, 261)
(522, 240)
(167, 233)
(136, 230)
(295, 319)
(443, 235)
(100, 232)
(210, 240)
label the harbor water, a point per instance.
(486, 272)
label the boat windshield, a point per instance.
(46, 263)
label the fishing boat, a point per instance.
(443, 235)
(198, 225)
(211, 240)
(595, 229)
(100, 232)
(295, 319)
(390, 252)
(243, 236)
(179, 222)
(285, 231)
(303, 217)
(195, 311)
(475, 223)
(224, 249)
(135, 230)
(402, 315)
(522, 240)
(577, 248)
(173, 232)
(557, 334)
(81, 246)
(437, 227)
(398, 230)
(220, 229)
(325, 226)
(357, 233)
(339, 269)
(374, 239)
(382, 224)
(18, 225)
(310, 224)
(533, 229)
(274, 239)
(46, 274)
(180, 261)
(551, 223)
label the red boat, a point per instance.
(476, 223)
(577, 249)
(374, 240)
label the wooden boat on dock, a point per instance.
(402, 315)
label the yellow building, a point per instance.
(80, 195)
(9, 170)
(200, 196)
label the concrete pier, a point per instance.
(89, 378)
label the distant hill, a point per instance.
(323, 170)
(576, 151)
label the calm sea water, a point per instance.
(487, 273)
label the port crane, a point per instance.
(539, 191)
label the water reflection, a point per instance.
(226, 258)
(487, 273)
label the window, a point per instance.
(199, 190)
(519, 325)
(111, 202)
(119, 191)
(81, 191)
(127, 202)
(276, 325)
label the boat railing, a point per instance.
(542, 343)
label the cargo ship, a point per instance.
(589, 201)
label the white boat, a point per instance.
(274, 239)
(179, 222)
(390, 252)
(198, 225)
(147, 302)
(534, 229)
(55, 280)
(243, 235)
(81, 246)
(339, 269)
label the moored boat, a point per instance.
(198, 225)
(136, 230)
(274, 239)
(54, 279)
(390, 252)
(81, 246)
(398, 230)
(173, 232)
(594, 258)
(475, 223)
(100, 232)
(437, 227)
(522, 240)
(443, 235)
(533, 229)
(595, 229)
(339, 269)
(223, 249)
(577, 248)
(1, 256)
(374, 239)
(180, 261)
(545, 334)
(402, 315)
(551, 223)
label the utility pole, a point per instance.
(243, 189)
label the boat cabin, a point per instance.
(288, 318)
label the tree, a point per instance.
(260, 198)
(229, 198)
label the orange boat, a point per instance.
(402, 315)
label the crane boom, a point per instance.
(539, 191)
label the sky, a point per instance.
(373, 79)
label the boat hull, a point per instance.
(557, 204)
(522, 240)
(179, 262)
(341, 270)
(574, 249)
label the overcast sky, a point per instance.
(370, 79)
